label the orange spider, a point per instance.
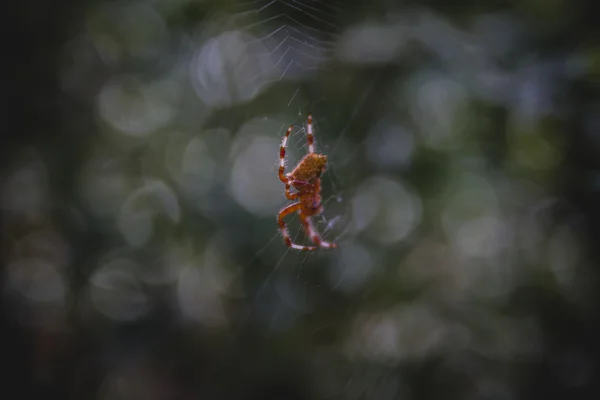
(306, 179)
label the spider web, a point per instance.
(299, 36)
(329, 225)
(291, 278)
(298, 39)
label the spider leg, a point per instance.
(282, 177)
(284, 232)
(313, 235)
(288, 194)
(309, 134)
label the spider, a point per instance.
(306, 179)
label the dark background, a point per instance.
(538, 339)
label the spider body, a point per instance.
(306, 179)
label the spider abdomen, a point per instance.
(310, 167)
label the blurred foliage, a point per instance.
(139, 192)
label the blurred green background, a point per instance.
(139, 194)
